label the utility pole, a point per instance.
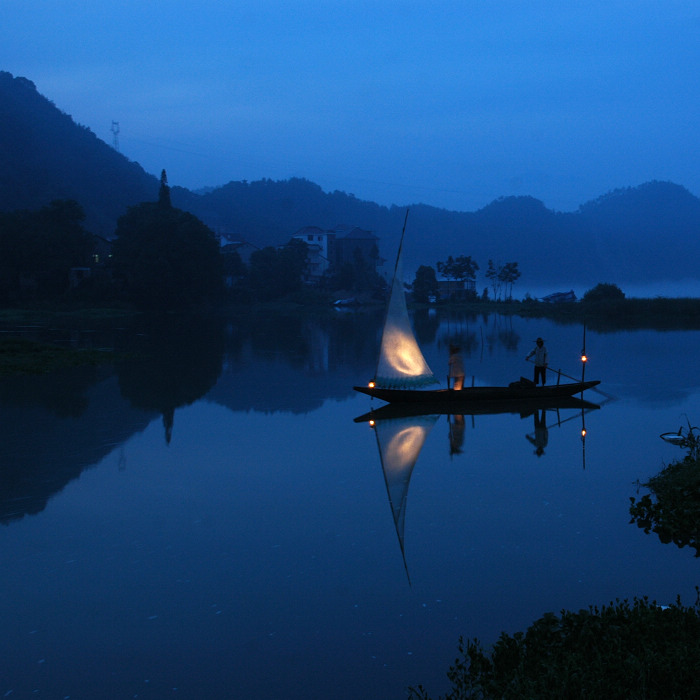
(115, 133)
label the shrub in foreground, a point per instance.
(672, 508)
(627, 651)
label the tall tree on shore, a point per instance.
(492, 275)
(501, 276)
(166, 258)
(509, 274)
(425, 284)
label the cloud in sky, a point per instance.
(450, 103)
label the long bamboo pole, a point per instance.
(568, 376)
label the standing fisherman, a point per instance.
(540, 353)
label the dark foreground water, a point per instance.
(210, 522)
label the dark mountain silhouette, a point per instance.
(45, 155)
(633, 235)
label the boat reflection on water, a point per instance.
(400, 441)
(402, 429)
(456, 433)
(540, 436)
(523, 408)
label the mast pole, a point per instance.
(398, 255)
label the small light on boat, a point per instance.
(371, 385)
(584, 358)
(371, 424)
(583, 433)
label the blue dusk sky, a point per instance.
(445, 102)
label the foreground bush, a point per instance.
(637, 651)
(672, 508)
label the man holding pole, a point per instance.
(540, 353)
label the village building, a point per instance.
(330, 249)
(456, 290)
(559, 297)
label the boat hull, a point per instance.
(522, 408)
(517, 392)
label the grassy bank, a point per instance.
(20, 356)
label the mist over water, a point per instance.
(675, 289)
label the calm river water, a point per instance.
(209, 521)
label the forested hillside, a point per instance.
(632, 235)
(45, 155)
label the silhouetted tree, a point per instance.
(425, 284)
(604, 292)
(275, 273)
(509, 274)
(358, 274)
(233, 263)
(165, 257)
(493, 276)
(164, 191)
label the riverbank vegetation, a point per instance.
(623, 650)
(671, 509)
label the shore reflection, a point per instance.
(179, 360)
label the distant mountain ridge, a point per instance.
(631, 235)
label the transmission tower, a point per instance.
(115, 134)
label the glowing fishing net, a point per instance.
(401, 362)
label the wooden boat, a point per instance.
(520, 407)
(517, 391)
(402, 373)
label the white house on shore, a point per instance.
(320, 245)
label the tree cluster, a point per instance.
(358, 275)
(502, 278)
(274, 273)
(604, 291)
(463, 268)
(164, 258)
(38, 249)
